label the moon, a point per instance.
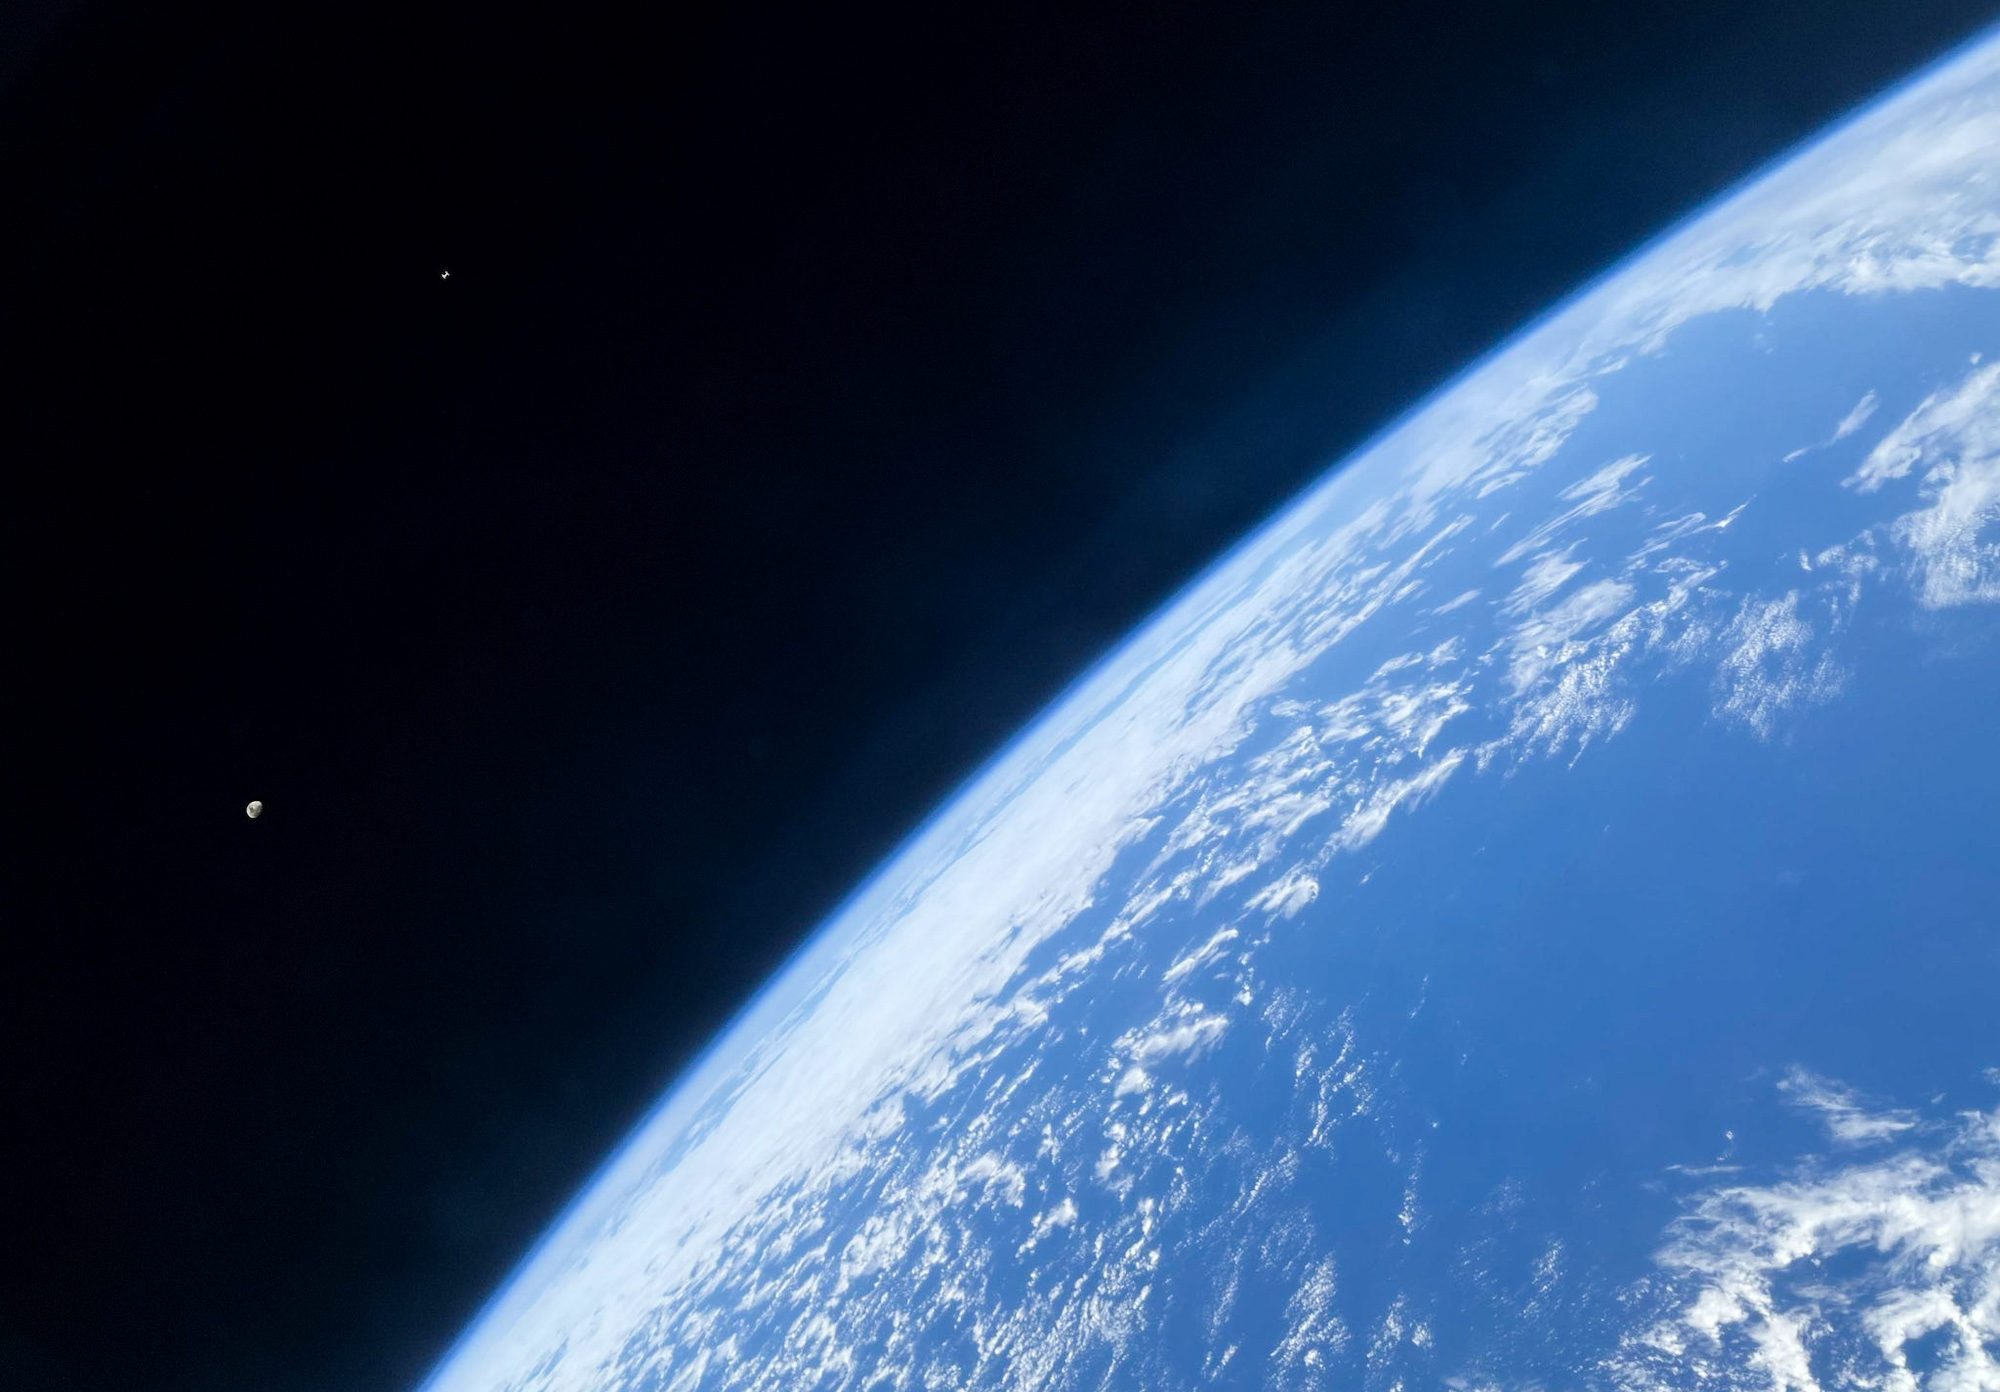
(254, 811)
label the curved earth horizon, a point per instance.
(1529, 916)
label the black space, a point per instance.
(813, 393)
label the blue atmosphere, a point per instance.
(1527, 918)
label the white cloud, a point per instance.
(1841, 1110)
(1285, 897)
(1856, 418)
(1370, 815)
(1939, 430)
(1596, 493)
(1849, 423)
(1772, 665)
(1189, 962)
(1313, 1331)
(1548, 573)
(1191, 1034)
(1824, 1280)
(1550, 638)
(1954, 438)
(1667, 534)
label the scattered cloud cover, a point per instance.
(1954, 439)
(1772, 665)
(1838, 1276)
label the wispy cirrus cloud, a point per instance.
(1843, 1112)
(1858, 417)
(1863, 411)
(1936, 432)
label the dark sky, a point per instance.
(812, 394)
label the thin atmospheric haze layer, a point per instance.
(1528, 917)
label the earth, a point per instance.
(1528, 917)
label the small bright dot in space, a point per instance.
(445, 276)
(254, 811)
